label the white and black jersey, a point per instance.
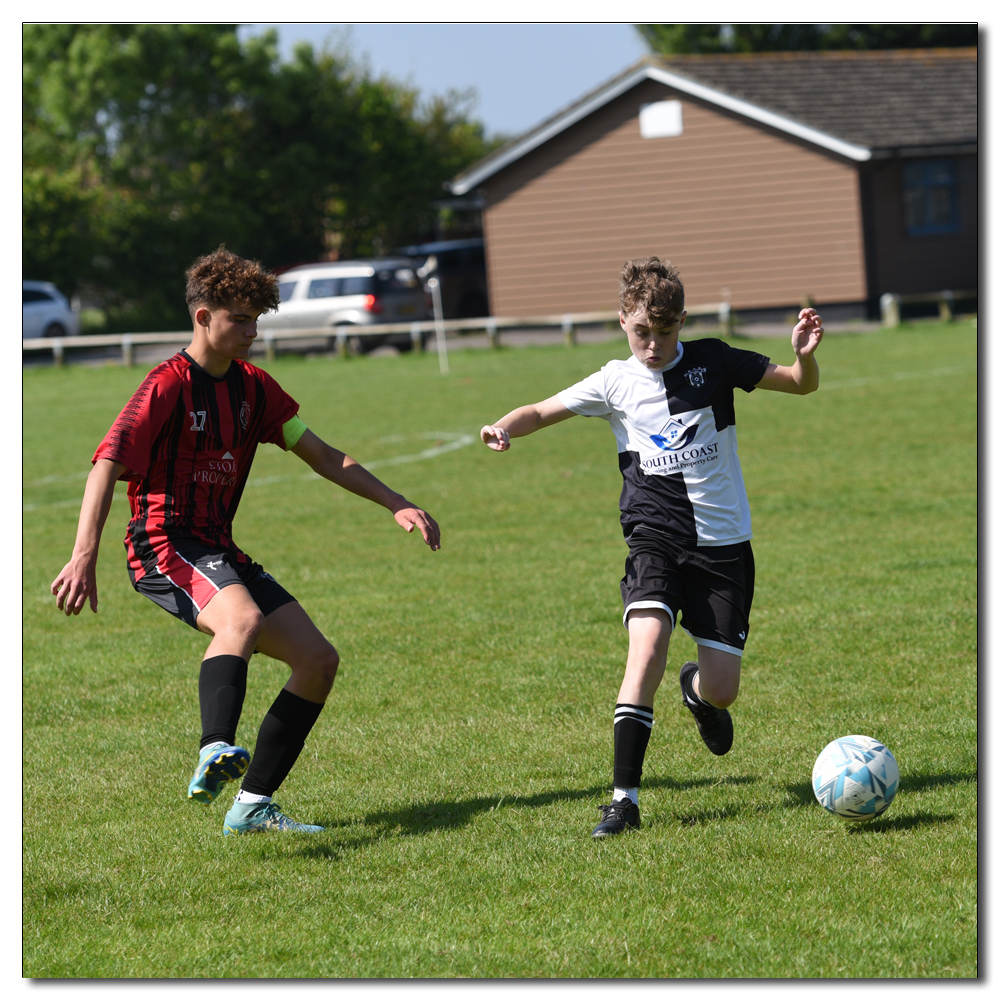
(676, 435)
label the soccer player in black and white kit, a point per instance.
(684, 507)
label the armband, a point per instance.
(293, 430)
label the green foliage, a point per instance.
(683, 39)
(467, 742)
(147, 145)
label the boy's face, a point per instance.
(654, 344)
(228, 331)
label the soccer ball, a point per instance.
(855, 777)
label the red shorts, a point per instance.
(188, 574)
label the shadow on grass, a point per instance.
(887, 824)
(803, 795)
(426, 817)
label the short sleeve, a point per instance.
(588, 398)
(130, 439)
(279, 409)
(744, 368)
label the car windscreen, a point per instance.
(285, 289)
(328, 288)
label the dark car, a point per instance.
(460, 266)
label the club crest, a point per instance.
(244, 415)
(696, 376)
(675, 435)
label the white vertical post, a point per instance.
(889, 304)
(492, 332)
(442, 346)
(57, 351)
(569, 334)
(415, 338)
(128, 353)
(269, 346)
(726, 318)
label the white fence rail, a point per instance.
(340, 336)
(890, 304)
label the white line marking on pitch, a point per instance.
(456, 441)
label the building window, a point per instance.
(661, 120)
(930, 197)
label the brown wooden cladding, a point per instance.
(732, 205)
(931, 262)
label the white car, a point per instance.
(349, 293)
(46, 312)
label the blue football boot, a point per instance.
(217, 765)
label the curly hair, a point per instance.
(222, 279)
(652, 284)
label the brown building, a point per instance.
(765, 178)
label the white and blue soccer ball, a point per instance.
(855, 777)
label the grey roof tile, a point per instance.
(882, 100)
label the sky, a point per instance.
(521, 72)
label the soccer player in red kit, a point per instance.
(185, 442)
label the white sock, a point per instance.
(626, 793)
(250, 797)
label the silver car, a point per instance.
(45, 312)
(350, 293)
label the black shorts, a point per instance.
(189, 574)
(711, 586)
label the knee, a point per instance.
(247, 625)
(320, 668)
(719, 691)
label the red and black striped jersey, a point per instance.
(187, 441)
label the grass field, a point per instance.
(467, 744)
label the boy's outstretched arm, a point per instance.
(524, 420)
(803, 376)
(77, 581)
(345, 472)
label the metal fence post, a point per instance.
(493, 333)
(569, 332)
(269, 351)
(946, 306)
(415, 338)
(889, 305)
(342, 344)
(128, 351)
(57, 351)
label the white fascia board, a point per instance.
(744, 108)
(536, 139)
(758, 114)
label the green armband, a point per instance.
(293, 430)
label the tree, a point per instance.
(147, 145)
(677, 39)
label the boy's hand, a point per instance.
(495, 437)
(409, 518)
(75, 585)
(808, 332)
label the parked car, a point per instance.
(349, 293)
(460, 266)
(45, 312)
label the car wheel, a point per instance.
(55, 330)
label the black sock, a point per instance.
(280, 741)
(222, 686)
(633, 724)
